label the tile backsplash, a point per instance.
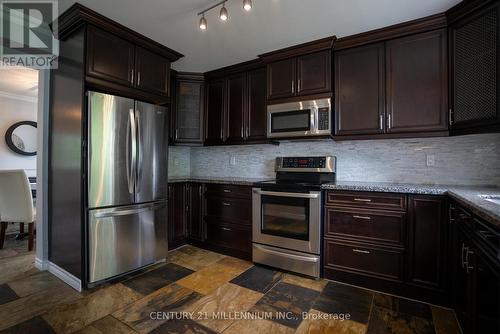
(179, 158)
(463, 160)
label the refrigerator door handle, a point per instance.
(132, 158)
(128, 210)
(139, 152)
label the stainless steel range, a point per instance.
(287, 214)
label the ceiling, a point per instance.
(21, 83)
(270, 25)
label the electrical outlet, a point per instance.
(431, 160)
(232, 161)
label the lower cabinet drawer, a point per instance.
(386, 263)
(229, 236)
(233, 209)
(380, 226)
(229, 190)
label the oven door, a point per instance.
(288, 220)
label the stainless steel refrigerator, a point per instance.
(127, 185)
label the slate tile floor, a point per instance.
(203, 283)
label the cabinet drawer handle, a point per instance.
(362, 217)
(362, 200)
(355, 250)
(226, 229)
(226, 204)
(227, 190)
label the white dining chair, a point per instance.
(16, 203)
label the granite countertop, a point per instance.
(470, 197)
(242, 181)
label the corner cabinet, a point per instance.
(188, 109)
(474, 58)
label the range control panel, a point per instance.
(303, 162)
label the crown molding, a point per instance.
(19, 97)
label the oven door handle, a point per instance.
(288, 255)
(286, 194)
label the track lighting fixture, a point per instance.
(247, 5)
(223, 14)
(203, 23)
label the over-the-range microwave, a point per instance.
(299, 119)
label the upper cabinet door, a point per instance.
(475, 71)
(417, 83)
(281, 79)
(235, 116)
(314, 73)
(189, 112)
(215, 112)
(360, 90)
(256, 108)
(109, 57)
(153, 72)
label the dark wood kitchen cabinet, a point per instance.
(391, 242)
(124, 67)
(474, 58)
(281, 79)
(256, 117)
(188, 108)
(393, 82)
(228, 218)
(110, 57)
(427, 238)
(417, 83)
(235, 111)
(236, 98)
(475, 269)
(360, 90)
(298, 71)
(215, 112)
(195, 217)
(314, 73)
(300, 76)
(177, 214)
(152, 71)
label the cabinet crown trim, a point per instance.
(298, 50)
(427, 23)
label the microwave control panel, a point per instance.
(323, 118)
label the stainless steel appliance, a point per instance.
(299, 119)
(287, 214)
(127, 185)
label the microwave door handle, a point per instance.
(285, 194)
(314, 116)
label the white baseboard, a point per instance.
(64, 276)
(41, 264)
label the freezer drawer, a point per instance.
(126, 238)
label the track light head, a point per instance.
(203, 23)
(247, 5)
(223, 13)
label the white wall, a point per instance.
(12, 110)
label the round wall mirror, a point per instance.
(21, 138)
